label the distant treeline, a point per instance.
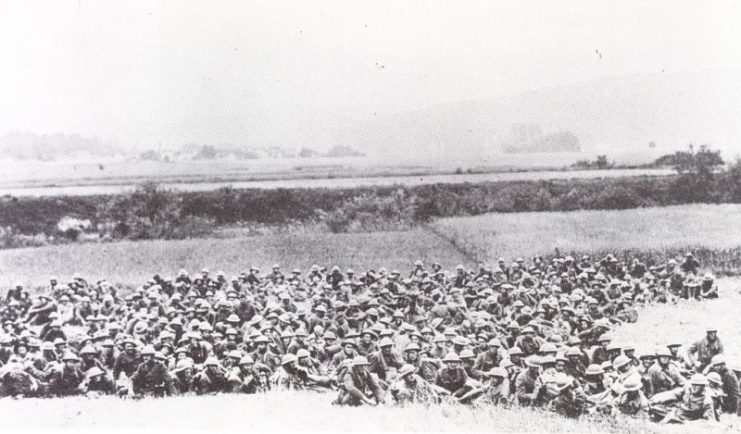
(153, 213)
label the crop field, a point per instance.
(713, 232)
(130, 263)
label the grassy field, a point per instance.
(712, 231)
(131, 263)
(304, 411)
(297, 411)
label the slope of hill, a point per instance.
(624, 113)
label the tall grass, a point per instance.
(130, 263)
(712, 232)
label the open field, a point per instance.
(122, 170)
(685, 323)
(297, 411)
(332, 178)
(129, 262)
(712, 231)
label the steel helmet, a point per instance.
(288, 359)
(497, 372)
(360, 361)
(714, 378)
(632, 383)
(698, 380)
(620, 361)
(451, 357)
(406, 370)
(386, 342)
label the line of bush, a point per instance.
(153, 213)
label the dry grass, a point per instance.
(668, 229)
(305, 411)
(288, 411)
(685, 323)
(131, 263)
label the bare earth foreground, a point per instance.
(313, 412)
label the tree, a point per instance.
(207, 152)
(602, 162)
(696, 181)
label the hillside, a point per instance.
(621, 114)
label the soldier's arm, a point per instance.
(117, 368)
(708, 409)
(350, 388)
(377, 391)
(521, 389)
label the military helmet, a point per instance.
(288, 359)
(467, 354)
(563, 381)
(386, 342)
(412, 347)
(620, 361)
(360, 361)
(632, 383)
(594, 369)
(406, 370)
(698, 380)
(451, 357)
(715, 379)
(70, 356)
(496, 372)
(94, 372)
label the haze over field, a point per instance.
(403, 80)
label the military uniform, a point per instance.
(151, 379)
(357, 386)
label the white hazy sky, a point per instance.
(145, 72)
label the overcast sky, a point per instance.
(212, 71)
